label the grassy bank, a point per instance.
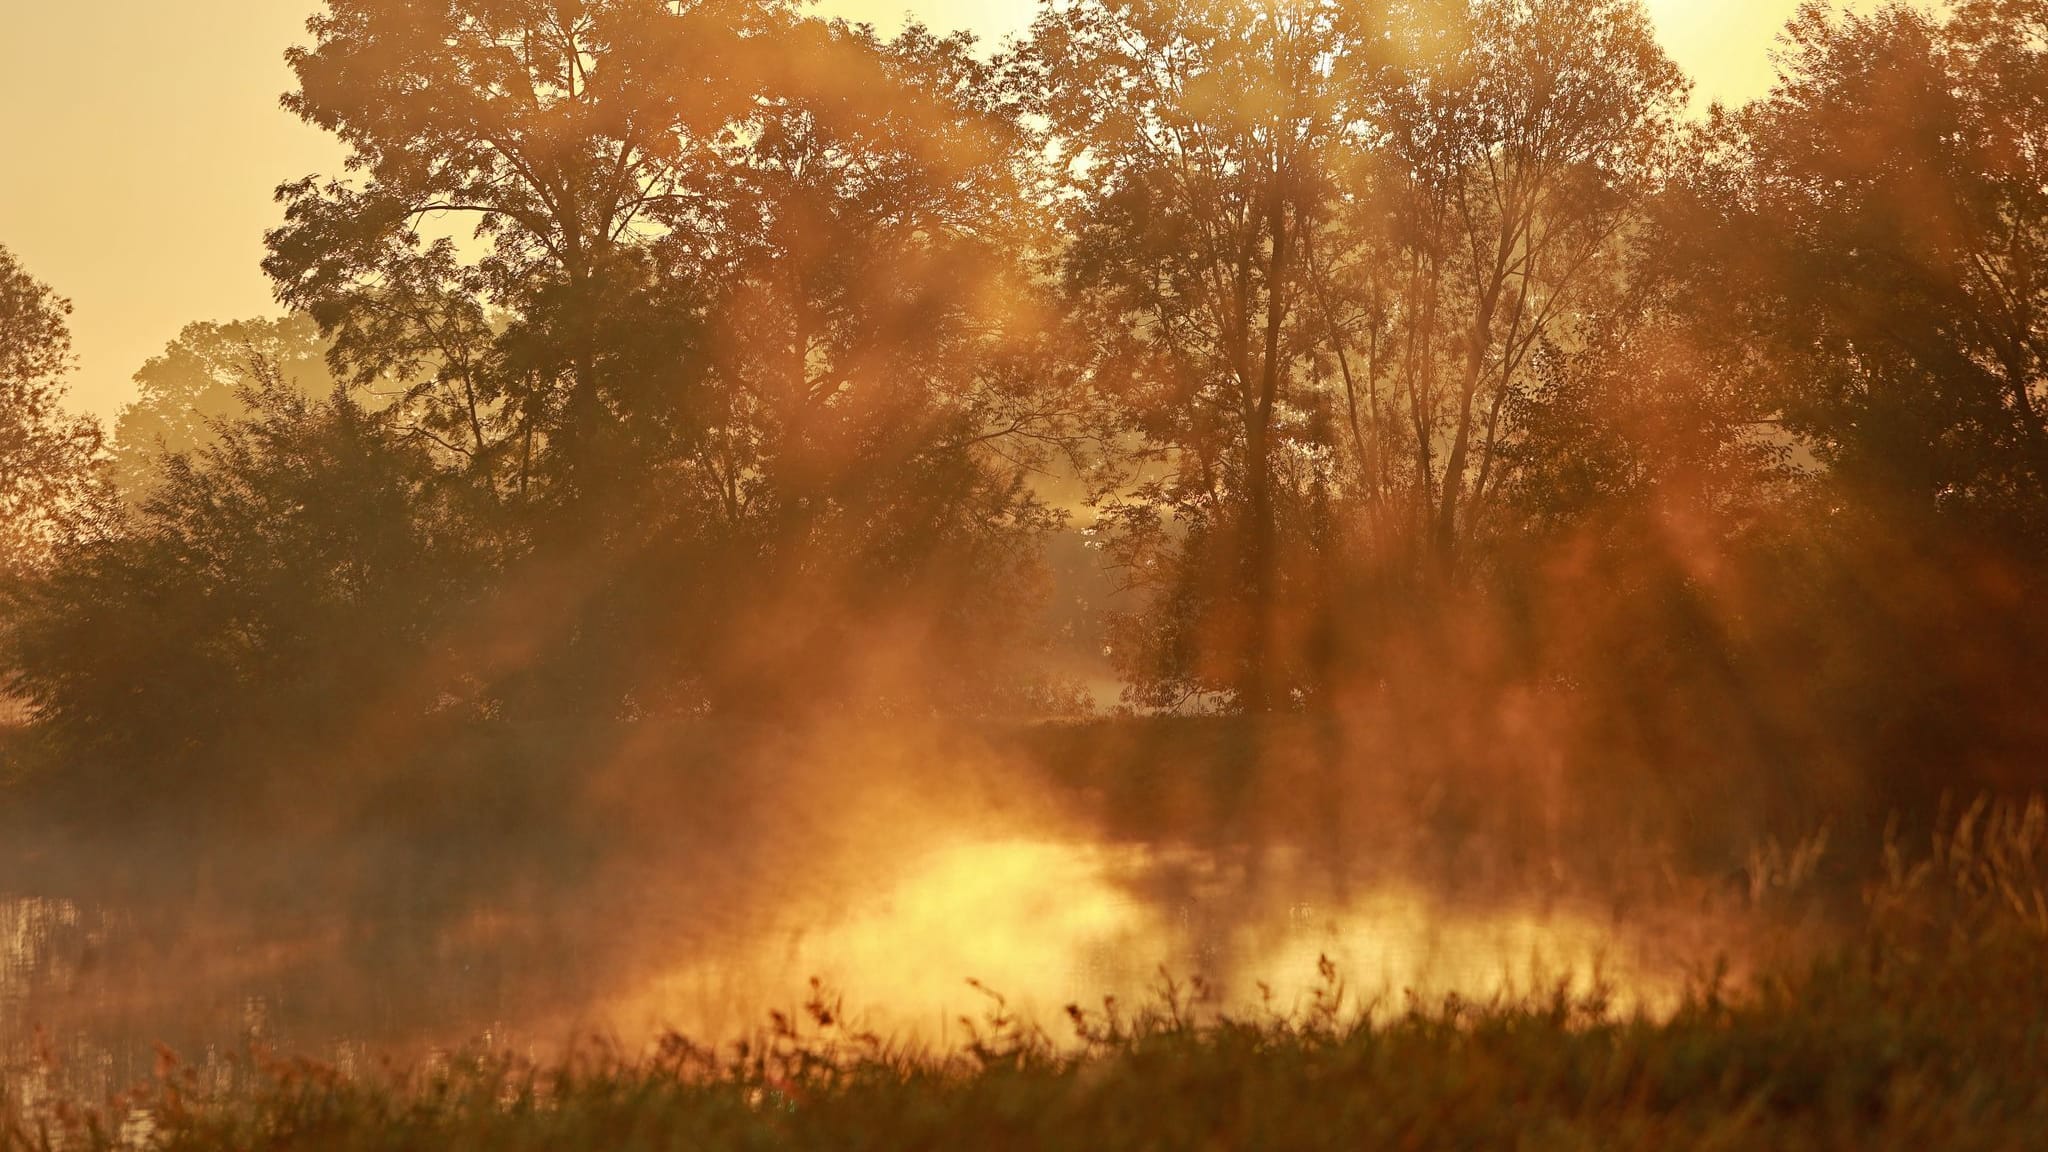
(1928, 1028)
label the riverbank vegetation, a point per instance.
(1929, 1026)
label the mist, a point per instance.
(741, 512)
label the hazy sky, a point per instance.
(142, 140)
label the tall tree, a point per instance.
(576, 138)
(1875, 233)
(48, 478)
(1323, 242)
(742, 316)
(1193, 140)
(1519, 141)
(882, 368)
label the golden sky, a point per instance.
(140, 140)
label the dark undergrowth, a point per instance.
(1928, 1028)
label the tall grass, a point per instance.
(1926, 1028)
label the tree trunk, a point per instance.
(1263, 691)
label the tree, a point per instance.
(1874, 234)
(576, 137)
(274, 593)
(49, 483)
(884, 368)
(201, 378)
(740, 323)
(1194, 144)
(1323, 242)
(1637, 419)
(1519, 144)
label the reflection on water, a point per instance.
(1044, 924)
(43, 945)
(1040, 922)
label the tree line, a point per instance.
(653, 358)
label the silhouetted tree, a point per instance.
(49, 486)
(1193, 142)
(275, 598)
(1322, 244)
(1636, 422)
(1873, 232)
(884, 367)
(1518, 143)
(578, 138)
(741, 322)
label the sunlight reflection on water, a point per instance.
(1044, 923)
(1026, 922)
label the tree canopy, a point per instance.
(48, 481)
(651, 361)
(200, 378)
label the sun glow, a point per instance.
(1031, 925)
(1726, 45)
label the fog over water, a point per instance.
(747, 517)
(925, 876)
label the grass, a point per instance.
(1927, 1028)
